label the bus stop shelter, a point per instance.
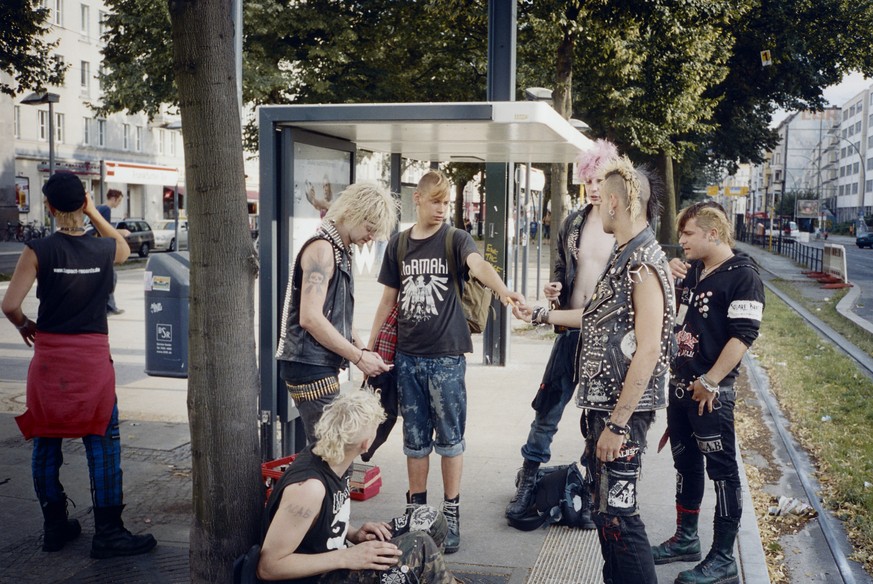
(305, 149)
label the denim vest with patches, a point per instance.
(607, 342)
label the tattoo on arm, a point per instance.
(298, 511)
(317, 271)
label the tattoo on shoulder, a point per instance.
(316, 272)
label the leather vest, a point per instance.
(295, 343)
(607, 341)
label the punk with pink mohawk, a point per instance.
(589, 162)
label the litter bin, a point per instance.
(166, 314)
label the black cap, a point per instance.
(64, 191)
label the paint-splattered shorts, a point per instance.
(433, 403)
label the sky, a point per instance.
(837, 95)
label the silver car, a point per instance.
(165, 235)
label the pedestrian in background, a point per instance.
(583, 251)
(306, 519)
(719, 315)
(71, 380)
(624, 351)
(433, 338)
(113, 201)
(317, 338)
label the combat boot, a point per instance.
(58, 527)
(526, 483)
(414, 501)
(452, 511)
(111, 539)
(719, 566)
(684, 546)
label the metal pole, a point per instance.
(51, 152)
(539, 240)
(176, 216)
(526, 240)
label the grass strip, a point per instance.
(827, 400)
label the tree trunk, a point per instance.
(459, 204)
(560, 196)
(667, 231)
(223, 380)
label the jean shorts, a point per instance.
(433, 403)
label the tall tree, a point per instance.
(223, 380)
(25, 55)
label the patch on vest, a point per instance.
(629, 344)
(622, 495)
(746, 309)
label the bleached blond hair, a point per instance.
(345, 423)
(707, 215)
(366, 202)
(624, 168)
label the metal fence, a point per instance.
(804, 255)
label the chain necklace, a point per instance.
(71, 229)
(704, 271)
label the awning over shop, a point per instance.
(140, 174)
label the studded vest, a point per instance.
(295, 343)
(607, 342)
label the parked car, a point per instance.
(165, 235)
(140, 238)
(864, 239)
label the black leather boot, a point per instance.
(526, 482)
(111, 539)
(684, 546)
(415, 500)
(58, 527)
(719, 566)
(452, 512)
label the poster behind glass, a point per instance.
(22, 193)
(320, 175)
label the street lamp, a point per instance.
(538, 94)
(51, 99)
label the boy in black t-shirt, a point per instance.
(432, 339)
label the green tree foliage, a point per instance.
(137, 73)
(24, 54)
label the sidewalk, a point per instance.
(157, 468)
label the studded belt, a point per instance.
(313, 389)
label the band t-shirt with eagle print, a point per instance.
(430, 320)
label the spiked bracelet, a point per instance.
(540, 315)
(616, 429)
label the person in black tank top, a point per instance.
(72, 364)
(306, 519)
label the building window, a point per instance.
(173, 143)
(846, 113)
(139, 138)
(101, 133)
(125, 135)
(868, 186)
(858, 127)
(16, 121)
(856, 168)
(59, 128)
(42, 116)
(162, 138)
(86, 19)
(842, 188)
(86, 77)
(843, 152)
(86, 131)
(842, 171)
(851, 130)
(855, 189)
(59, 12)
(844, 132)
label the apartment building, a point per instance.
(143, 158)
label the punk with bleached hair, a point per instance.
(366, 203)
(623, 167)
(590, 161)
(345, 423)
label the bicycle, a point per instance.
(11, 231)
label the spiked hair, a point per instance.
(589, 162)
(623, 167)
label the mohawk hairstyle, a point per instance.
(588, 163)
(623, 167)
(653, 193)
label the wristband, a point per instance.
(540, 315)
(362, 355)
(616, 429)
(23, 326)
(708, 385)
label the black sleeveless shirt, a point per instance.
(74, 280)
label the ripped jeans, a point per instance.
(624, 544)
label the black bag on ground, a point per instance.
(245, 567)
(559, 499)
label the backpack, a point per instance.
(475, 297)
(560, 498)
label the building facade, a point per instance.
(140, 157)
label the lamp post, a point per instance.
(50, 99)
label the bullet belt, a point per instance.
(313, 389)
